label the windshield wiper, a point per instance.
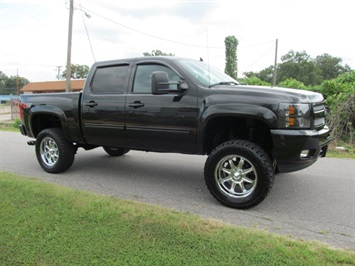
(224, 83)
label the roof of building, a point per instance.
(55, 86)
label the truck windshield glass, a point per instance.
(206, 75)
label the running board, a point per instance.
(31, 143)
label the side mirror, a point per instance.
(160, 82)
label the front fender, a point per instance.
(239, 110)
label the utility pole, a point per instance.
(275, 64)
(17, 85)
(70, 31)
(58, 76)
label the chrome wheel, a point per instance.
(54, 153)
(236, 176)
(49, 151)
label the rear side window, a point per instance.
(109, 80)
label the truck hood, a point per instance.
(271, 94)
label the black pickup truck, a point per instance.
(177, 105)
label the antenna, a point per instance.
(275, 64)
(208, 57)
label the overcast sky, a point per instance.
(34, 34)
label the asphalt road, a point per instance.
(317, 203)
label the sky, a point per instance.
(34, 33)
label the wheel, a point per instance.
(54, 153)
(239, 174)
(115, 151)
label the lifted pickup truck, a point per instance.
(177, 105)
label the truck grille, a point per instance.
(319, 113)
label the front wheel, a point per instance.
(239, 174)
(54, 153)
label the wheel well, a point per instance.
(43, 121)
(222, 129)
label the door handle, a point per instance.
(91, 104)
(136, 105)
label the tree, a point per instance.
(77, 71)
(9, 85)
(3, 78)
(254, 81)
(330, 66)
(157, 53)
(340, 98)
(292, 83)
(231, 68)
(299, 66)
(264, 75)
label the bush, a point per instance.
(292, 83)
(340, 98)
(254, 81)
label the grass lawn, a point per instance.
(46, 224)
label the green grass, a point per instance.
(10, 125)
(45, 224)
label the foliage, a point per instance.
(231, 68)
(157, 53)
(340, 98)
(46, 224)
(299, 66)
(292, 83)
(77, 71)
(254, 81)
(265, 75)
(9, 85)
(330, 66)
(302, 67)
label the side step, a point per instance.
(31, 143)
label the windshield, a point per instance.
(206, 75)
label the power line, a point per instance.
(87, 33)
(267, 51)
(168, 40)
(150, 35)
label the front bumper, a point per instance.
(297, 149)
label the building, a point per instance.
(52, 86)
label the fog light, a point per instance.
(304, 154)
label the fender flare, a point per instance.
(49, 110)
(256, 112)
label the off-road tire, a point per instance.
(115, 151)
(54, 153)
(239, 174)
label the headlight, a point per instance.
(294, 115)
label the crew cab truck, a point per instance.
(179, 105)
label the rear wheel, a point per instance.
(239, 174)
(115, 151)
(54, 153)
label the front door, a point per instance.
(160, 122)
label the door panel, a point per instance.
(160, 122)
(103, 106)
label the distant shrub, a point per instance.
(254, 81)
(292, 83)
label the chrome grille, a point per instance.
(319, 113)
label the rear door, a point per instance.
(103, 104)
